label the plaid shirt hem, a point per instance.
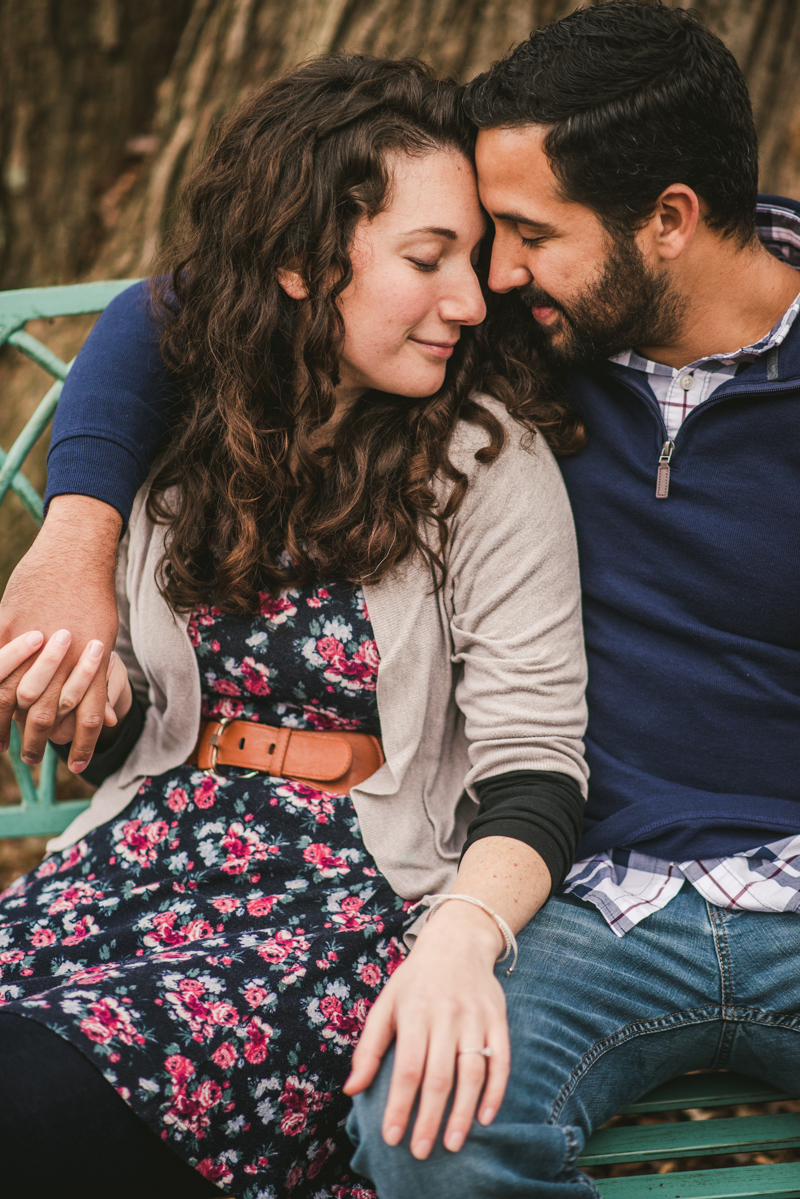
(626, 886)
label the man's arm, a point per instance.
(111, 421)
(66, 580)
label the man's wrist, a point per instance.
(81, 513)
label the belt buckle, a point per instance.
(213, 741)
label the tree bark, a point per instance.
(106, 104)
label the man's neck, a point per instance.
(733, 298)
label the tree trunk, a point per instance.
(106, 104)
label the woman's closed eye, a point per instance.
(421, 265)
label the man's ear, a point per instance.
(673, 223)
(292, 283)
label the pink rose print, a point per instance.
(370, 973)
(278, 947)
(139, 841)
(255, 676)
(163, 930)
(263, 905)
(317, 803)
(9, 956)
(68, 899)
(242, 845)
(179, 1067)
(258, 1038)
(226, 687)
(255, 995)
(202, 1017)
(276, 611)
(322, 857)
(225, 903)
(396, 954)
(341, 1026)
(190, 1111)
(206, 793)
(300, 1099)
(225, 1056)
(49, 866)
(320, 1157)
(110, 1020)
(351, 917)
(177, 799)
(231, 708)
(78, 929)
(73, 855)
(215, 1171)
(42, 936)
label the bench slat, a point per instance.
(780, 1181)
(705, 1090)
(692, 1138)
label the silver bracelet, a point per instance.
(510, 940)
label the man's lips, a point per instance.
(439, 349)
(544, 315)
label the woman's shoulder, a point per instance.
(525, 453)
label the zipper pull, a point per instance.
(662, 477)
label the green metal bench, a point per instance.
(634, 1144)
(39, 814)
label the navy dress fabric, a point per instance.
(214, 951)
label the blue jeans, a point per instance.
(596, 1021)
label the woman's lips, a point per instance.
(544, 314)
(439, 349)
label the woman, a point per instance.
(355, 535)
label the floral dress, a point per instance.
(216, 948)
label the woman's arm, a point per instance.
(513, 592)
(445, 998)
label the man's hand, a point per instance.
(65, 581)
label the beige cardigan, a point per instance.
(480, 678)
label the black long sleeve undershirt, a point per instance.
(543, 808)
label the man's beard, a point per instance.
(629, 305)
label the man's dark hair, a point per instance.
(636, 96)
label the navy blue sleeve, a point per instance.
(113, 415)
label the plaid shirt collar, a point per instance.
(679, 390)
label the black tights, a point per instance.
(64, 1131)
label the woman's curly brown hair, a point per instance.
(259, 506)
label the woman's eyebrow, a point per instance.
(450, 234)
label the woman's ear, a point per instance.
(292, 283)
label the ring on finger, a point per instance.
(485, 1052)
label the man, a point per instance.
(617, 158)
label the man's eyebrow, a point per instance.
(450, 234)
(519, 218)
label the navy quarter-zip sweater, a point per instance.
(691, 603)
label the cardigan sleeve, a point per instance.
(514, 602)
(113, 415)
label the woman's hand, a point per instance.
(442, 1000)
(40, 675)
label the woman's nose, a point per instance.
(465, 305)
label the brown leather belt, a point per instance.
(333, 761)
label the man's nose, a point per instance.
(506, 272)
